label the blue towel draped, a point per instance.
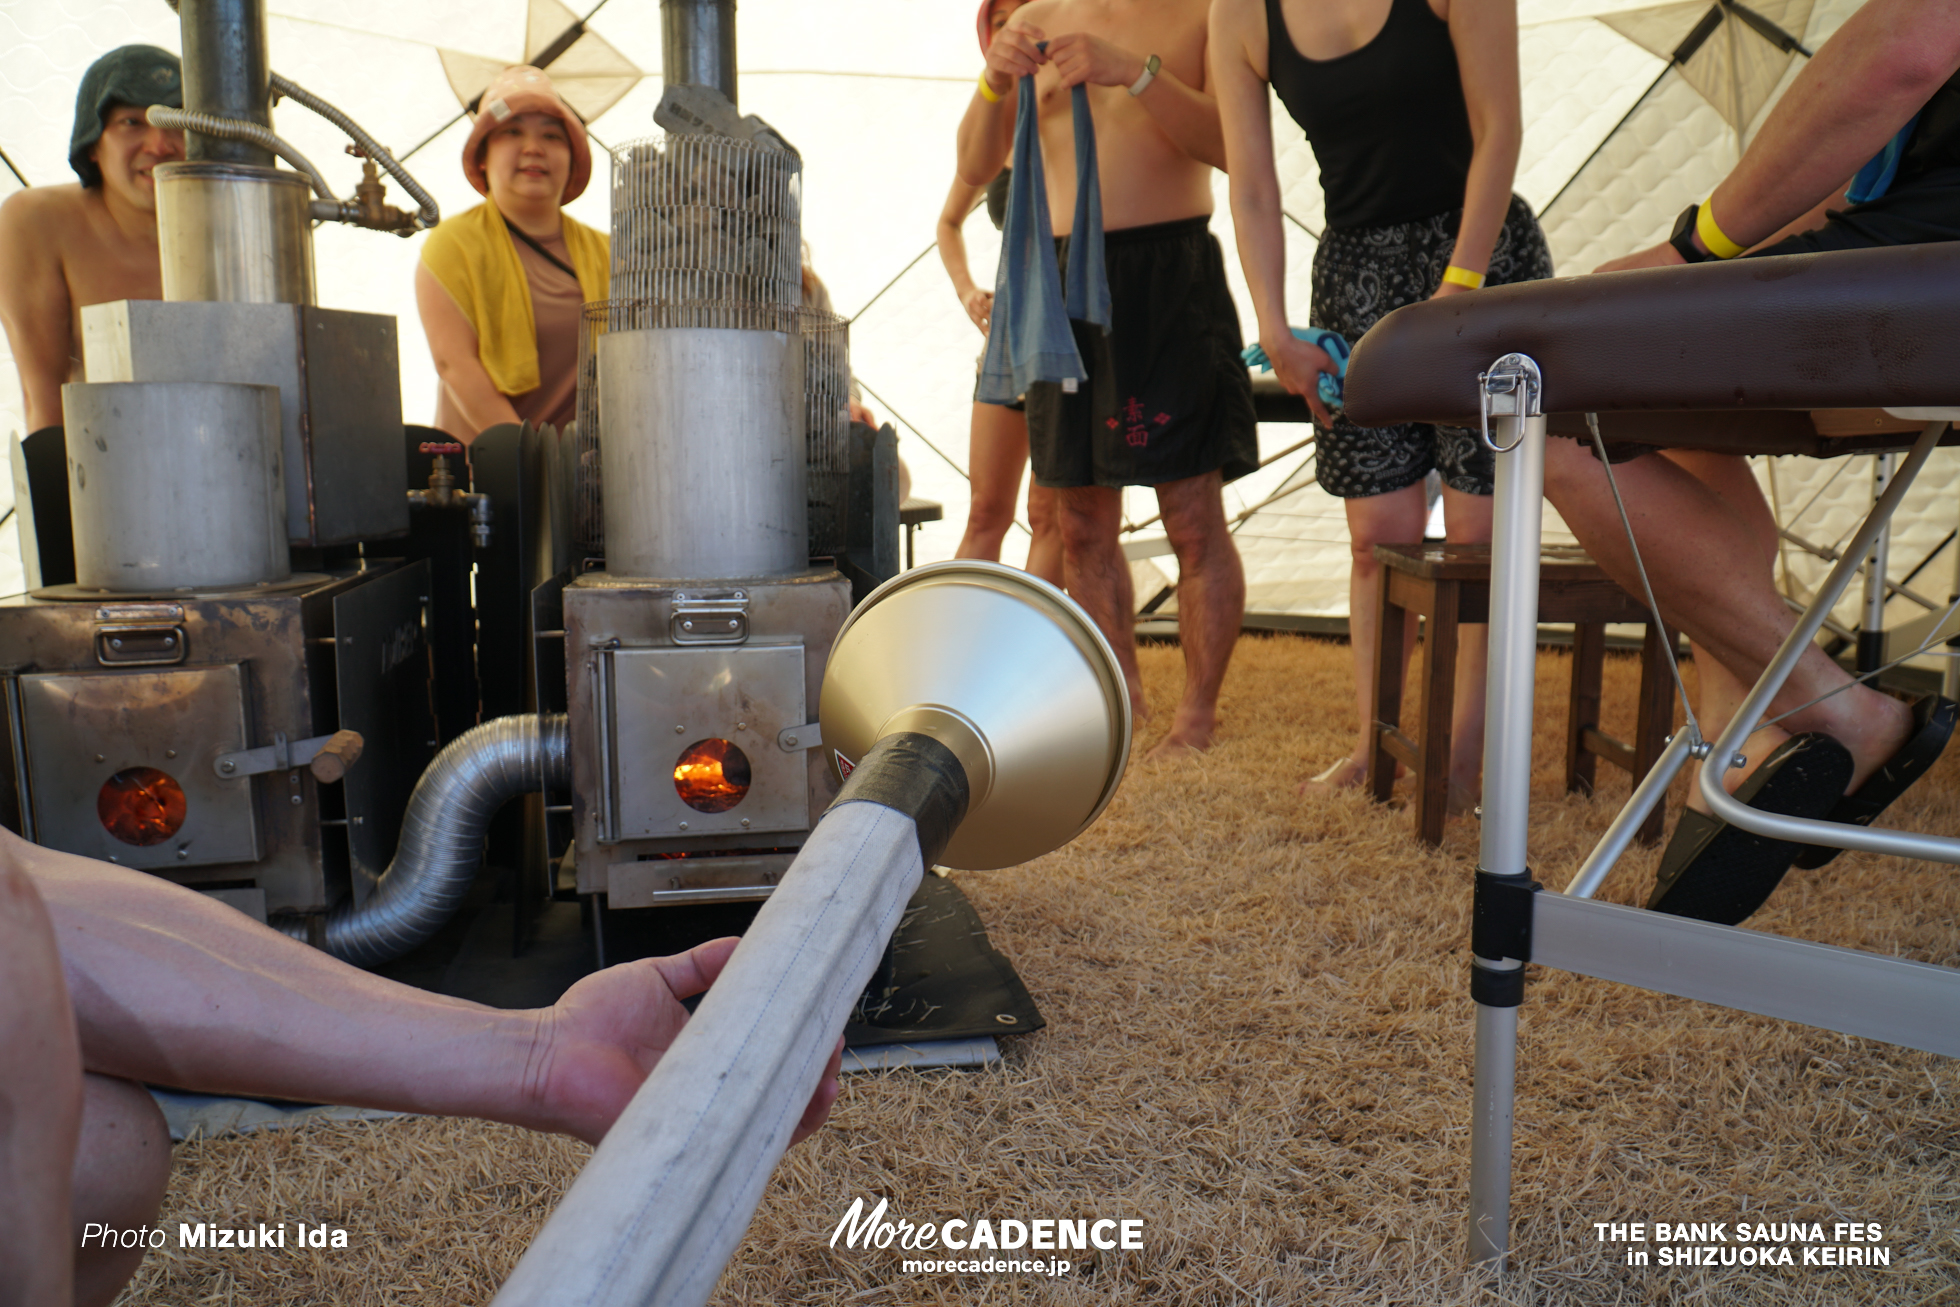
(1030, 339)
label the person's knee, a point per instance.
(1087, 521)
(1571, 471)
(122, 1167)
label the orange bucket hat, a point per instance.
(524, 89)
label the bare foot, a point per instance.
(1190, 733)
(1347, 774)
(1882, 727)
(1758, 747)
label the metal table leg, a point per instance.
(1511, 393)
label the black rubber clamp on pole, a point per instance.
(1500, 928)
(914, 774)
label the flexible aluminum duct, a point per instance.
(237, 129)
(430, 213)
(442, 835)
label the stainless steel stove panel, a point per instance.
(662, 701)
(82, 728)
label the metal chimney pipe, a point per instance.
(227, 73)
(697, 44)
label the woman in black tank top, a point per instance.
(1413, 116)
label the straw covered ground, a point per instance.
(1259, 1046)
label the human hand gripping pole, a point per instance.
(985, 721)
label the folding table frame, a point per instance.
(1517, 921)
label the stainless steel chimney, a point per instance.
(697, 44)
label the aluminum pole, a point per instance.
(1510, 392)
(1871, 629)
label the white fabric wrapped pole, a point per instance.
(667, 1196)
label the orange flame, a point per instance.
(712, 775)
(141, 806)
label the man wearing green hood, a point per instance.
(63, 247)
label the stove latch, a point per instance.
(716, 618)
(140, 635)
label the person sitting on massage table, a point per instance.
(113, 977)
(1886, 84)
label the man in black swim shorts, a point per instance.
(1168, 403)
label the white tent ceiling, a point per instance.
(1615, 144)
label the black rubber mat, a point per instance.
(941, 979)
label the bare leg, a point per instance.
(1099, 575)
(1467, 521)
(1210, 602)
(997, 455)
(40, 1102)
(1395, 518)
(1704, 559)
(1045, 521)
(121, 1170)
(1721, 691)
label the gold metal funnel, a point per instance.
(1007, 672)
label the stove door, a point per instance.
(120, 765)
(692, 747)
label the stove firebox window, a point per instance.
(712, 775)
(141, 806)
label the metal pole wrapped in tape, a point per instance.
(665, 1201)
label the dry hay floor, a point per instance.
(1259, 1045)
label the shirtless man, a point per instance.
(1182, 416)
(63, 247)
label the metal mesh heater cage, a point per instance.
(827, 426)
(826, 397)
(706, 219)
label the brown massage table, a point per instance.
(1758, 356)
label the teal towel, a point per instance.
(1332, 342)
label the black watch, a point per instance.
(1683, 238)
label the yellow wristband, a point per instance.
(1714, 237)
(1463, 277)
(987, 92)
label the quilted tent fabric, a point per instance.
(1616, 143)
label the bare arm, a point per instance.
(1186, 113)
(1875, 73)
(1485, 33)
(173, 988)
(1237, 57)
(34, 304)
(986, 136)
(961, 201)
(453, 344)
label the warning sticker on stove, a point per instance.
(844, 765)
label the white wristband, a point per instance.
(1150, 67)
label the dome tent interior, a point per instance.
(1617, 139)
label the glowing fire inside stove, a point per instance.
(141, 806)
(712, 775)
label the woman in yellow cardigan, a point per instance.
(500, 286)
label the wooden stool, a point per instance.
(1449, 585)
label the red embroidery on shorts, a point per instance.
(1136, 434)
(1110, 423)
(1161, 419)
